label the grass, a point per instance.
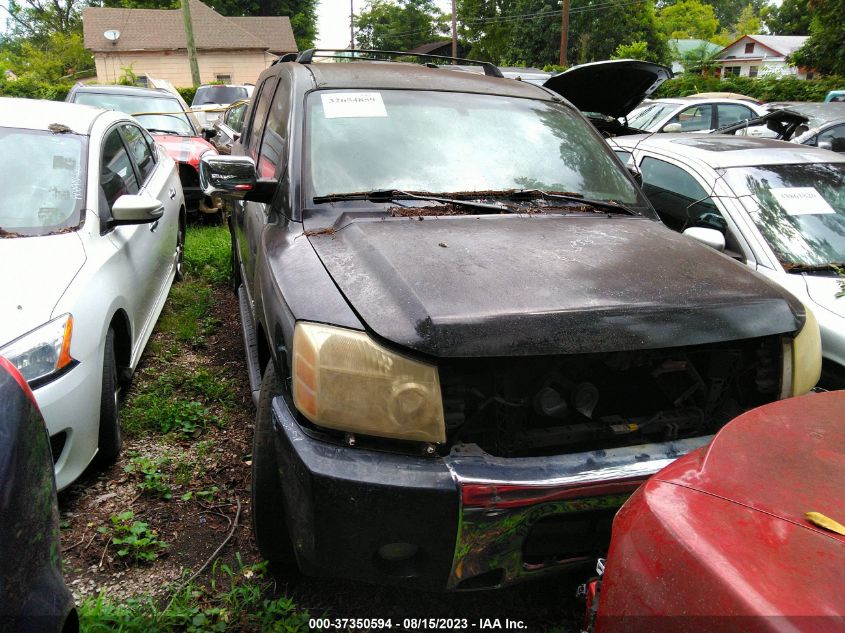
(208, 254)
(233, 599)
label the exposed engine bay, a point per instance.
(529, 406)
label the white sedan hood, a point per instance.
(822, 291)
(37, 271)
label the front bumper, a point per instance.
(465, 521)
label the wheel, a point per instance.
(180, 252)
(110, 439)
(268, 511)
(236, 264)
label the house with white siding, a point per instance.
(152, 42)
(758, 55)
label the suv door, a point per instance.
(249, 218)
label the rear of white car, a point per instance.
(87, 279)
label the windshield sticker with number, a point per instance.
(353, 105)
(801, 200)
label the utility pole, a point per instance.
(192, 49)
(454, 32)
(351, 25)
(564, 31)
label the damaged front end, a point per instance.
(544, 450)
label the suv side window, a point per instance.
(117, 177)
(678, 198)
(139, 150)
(694, 118)
(275, 136)
(259, 115)
(730, 113)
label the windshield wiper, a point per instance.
(389, 195)
(836, 267)
(160, 131)
(531, 194)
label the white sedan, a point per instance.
(92, 222)
(776, 206)
(692, 114)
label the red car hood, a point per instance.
(784, 459)
(184, 149)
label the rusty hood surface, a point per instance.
(505, 285)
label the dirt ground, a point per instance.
(195, 528)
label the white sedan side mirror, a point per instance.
(131, 209)
(673, 127)
(708, 237)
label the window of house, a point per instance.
(226, 79)
(732, 70)
(752, 71)
(810, 74)
(749, 48)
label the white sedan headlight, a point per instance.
(344, 380)
(43, 351)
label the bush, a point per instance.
(30, 88)
(763, 88)
(187, 93)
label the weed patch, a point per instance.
(151, 478)
(208, 254)
(135, 540)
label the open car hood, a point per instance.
(613, 88)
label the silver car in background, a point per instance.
(691, 114)
(776, 206)
(93, 228)
(209, 101)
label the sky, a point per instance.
(333, 20)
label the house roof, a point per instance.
(687, 45)
(782, 45)
(163, 29)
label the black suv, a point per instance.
(469, 336)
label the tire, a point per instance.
(110, 439)
(180, 252)
(269, 524)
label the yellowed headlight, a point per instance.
(343, 380)
(803, 358)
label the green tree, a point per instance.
(480, 25)
(824, 50)
(748, 22)
(634, 50)
(398, 25)
(37, 20)
(728, 11)
(792, 17)
(688, 19)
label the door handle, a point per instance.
(172, 192)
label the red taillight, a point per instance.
(517, 495)
(19, 379)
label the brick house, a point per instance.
(152, 42)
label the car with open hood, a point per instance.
(608, 91)
(735, 539)
(777, 207)
(469, 336)
(168, 118)
(92, 233)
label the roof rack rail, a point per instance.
(307, 56)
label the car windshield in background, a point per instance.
(456, 142)
(646, 116)
(43, 177)
(155, 114)
(799, 209)
(219, 94)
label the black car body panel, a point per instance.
(612, 88)
(524, 285)
(33, 596)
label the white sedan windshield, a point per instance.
(799, 209)
(42, 176)
(451, 142)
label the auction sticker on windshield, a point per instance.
(801, 200)
(338, 105)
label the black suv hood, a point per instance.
(506, 285)
(613, 88)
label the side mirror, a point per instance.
(708, 237)
(826, 145)
(131, 209)
(235, 176)
(209, 133)
(672, 127)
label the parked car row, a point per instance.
(469, 335)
